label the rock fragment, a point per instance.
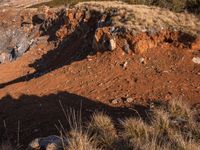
(116, 101)
(103, 40)
(129, 100)
(126, 47)
(196, 60)
(112, 44)
(52, 142)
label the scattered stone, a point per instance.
(126, 47)
(103, 40)
(142, 60)
(112, 45)
(196, 60)
(124, 65)
(52, 142)
(116, 101)
(129, 100)
(112, 29)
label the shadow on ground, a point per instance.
(74, 47)
(38, 116)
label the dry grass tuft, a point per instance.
(80, 141)
(102, 127)
(136, 133)
(178, 109)
(172, 127)
(134, 17)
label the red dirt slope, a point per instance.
(72, 64)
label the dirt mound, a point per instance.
(84, 58)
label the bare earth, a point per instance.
(32, 86)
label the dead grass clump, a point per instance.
(102, 128)
(164, 132)
(80, 141)
(136, 133)
(178, 109)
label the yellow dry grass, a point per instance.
(145, 18)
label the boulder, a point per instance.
(52, 142)
(13, 43)
(103, 40)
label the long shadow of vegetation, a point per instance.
(74, 47)
(36, 116)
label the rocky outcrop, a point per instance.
(96, 28)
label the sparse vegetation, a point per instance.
(172, 126)
(175, 5)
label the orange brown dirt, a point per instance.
(72, 63)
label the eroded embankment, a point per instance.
(103, 30)
(102, 34)
(81, 55)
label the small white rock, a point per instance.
(142, 60)
(116, 101)
(112, 45)
(125, 64)
(129, 100)
(196, 60)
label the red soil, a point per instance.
(157, 67)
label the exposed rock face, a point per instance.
(95, 28)
(18, 32)
(13, 43)
(103, 40)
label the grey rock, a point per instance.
(52, 142)
(13, 43)
(22, 46)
